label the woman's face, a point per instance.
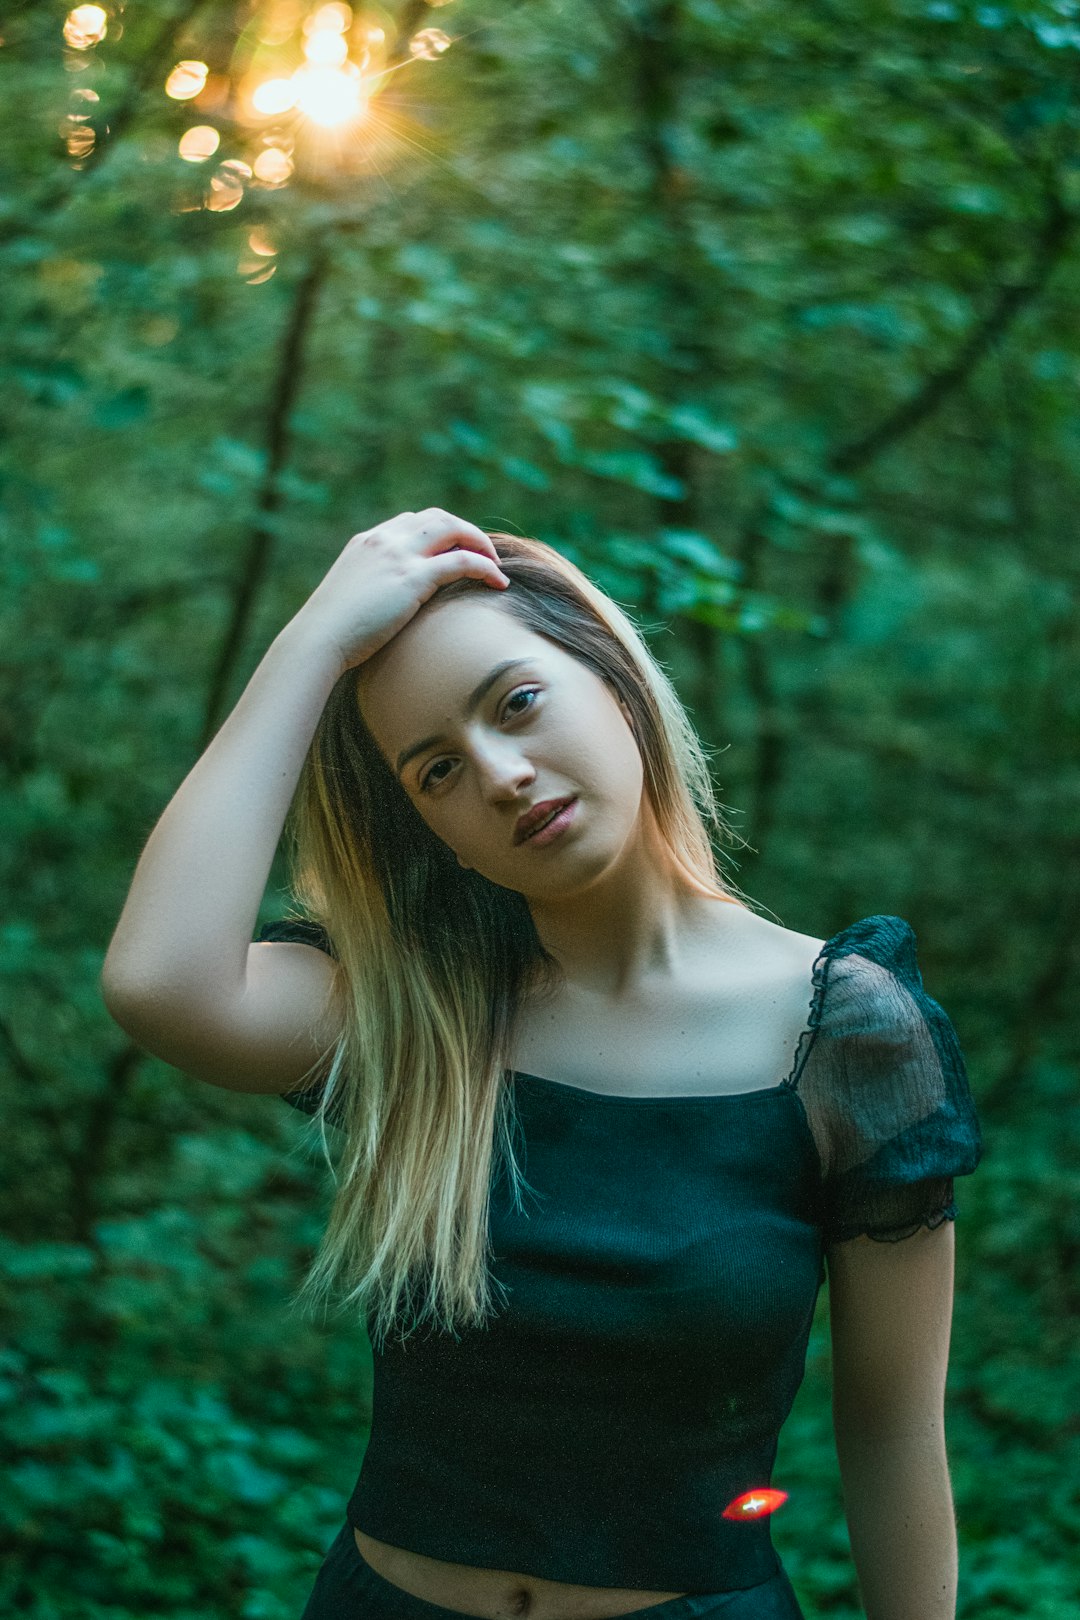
(544, 729)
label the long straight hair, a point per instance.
(434, 962)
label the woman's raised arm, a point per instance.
(181, 974)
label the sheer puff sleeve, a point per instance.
(885, 1088)
(303, 932)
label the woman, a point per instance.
(576, 1404)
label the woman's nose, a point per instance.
(503, 771)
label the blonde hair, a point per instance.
(434, 962)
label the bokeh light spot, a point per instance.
(325, 49)
(429, 44)
(186, 80)
(79, 140)
(331, 19)
(274, 96)
(278, 20)
(273, 167)
(85, 26)
(226, 188)
(259, 242)
(255, 271)
(198, 143)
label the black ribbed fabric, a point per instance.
(661, 1284)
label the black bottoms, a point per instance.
(347, 1588)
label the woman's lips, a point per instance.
(556, 825)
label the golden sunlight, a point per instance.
(329, 96)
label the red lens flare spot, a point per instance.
(755, 1504)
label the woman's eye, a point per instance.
(430, 779)
(522, 691)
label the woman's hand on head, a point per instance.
(385, 574)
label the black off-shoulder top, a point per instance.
(616, 1421)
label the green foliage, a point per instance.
(765, 315)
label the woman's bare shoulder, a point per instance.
(776, 943)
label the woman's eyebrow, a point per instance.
(472, 703)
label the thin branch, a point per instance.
(1011, 300)
(657, 67)
(253, 568)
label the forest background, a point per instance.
(764, 313)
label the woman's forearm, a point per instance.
(901, 1523)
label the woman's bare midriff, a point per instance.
(498, 1594)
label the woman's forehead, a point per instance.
(436, 660)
